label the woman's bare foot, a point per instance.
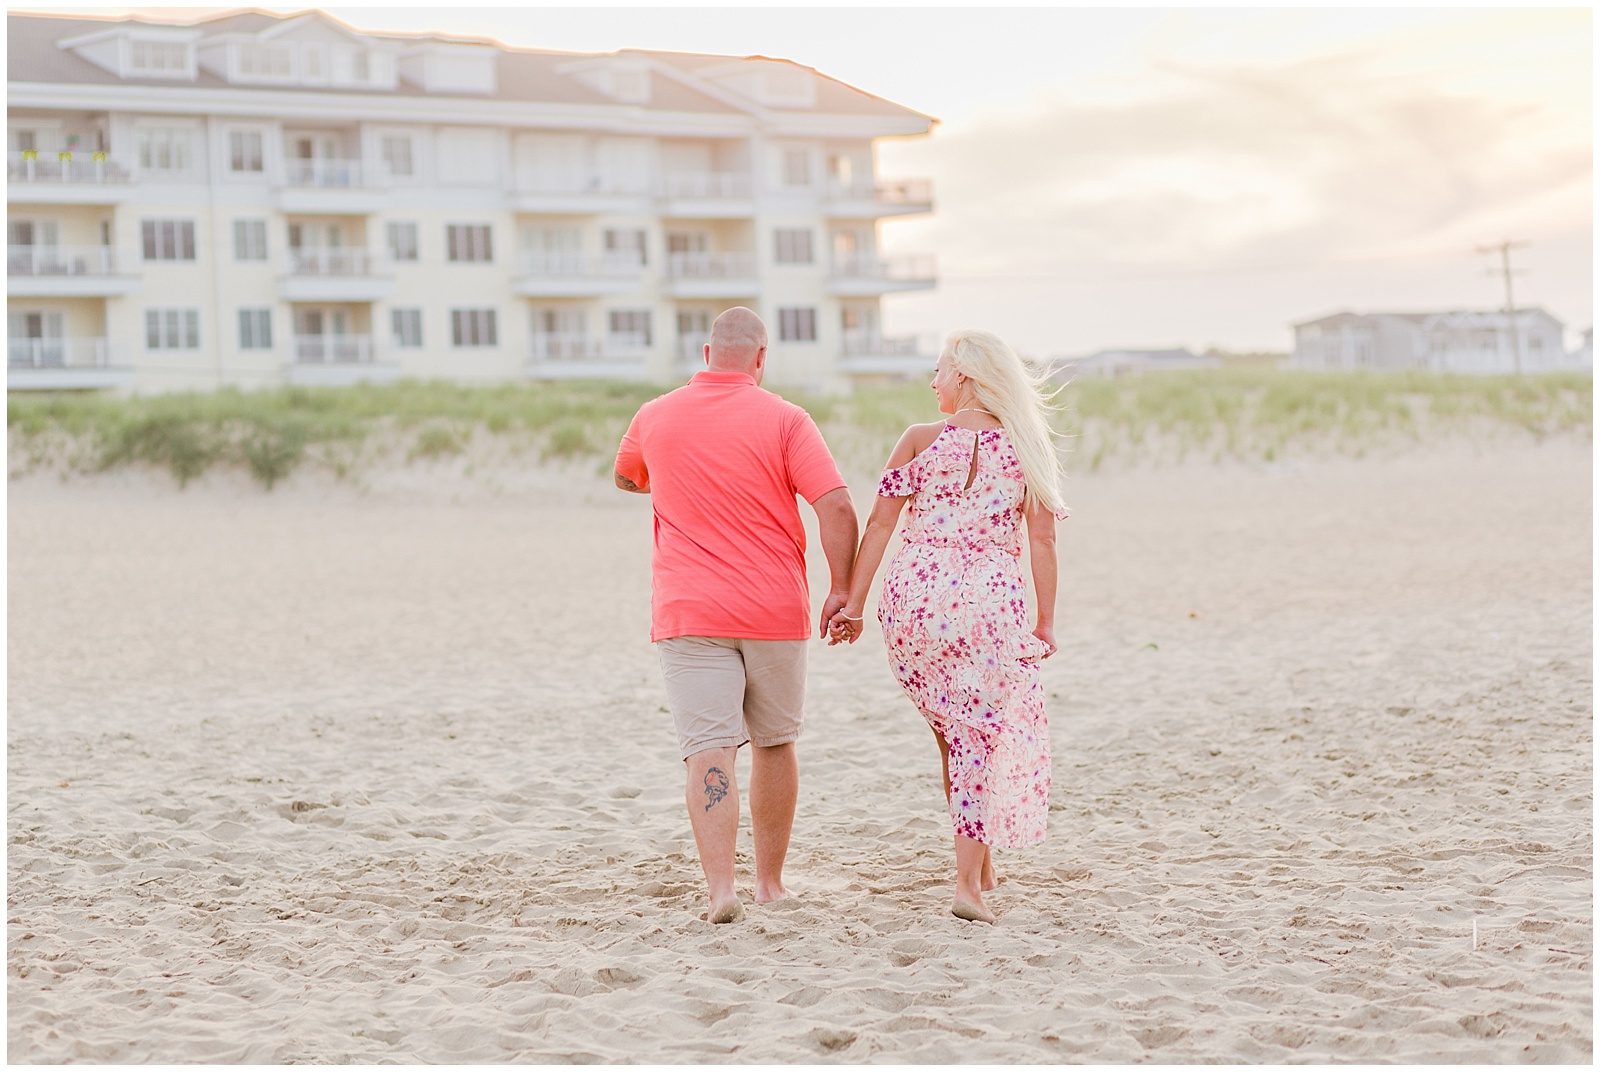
(768, 894)
(988, 880)
(725, 912)
(976, 911)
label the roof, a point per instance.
(33, 55)
(1455, 315)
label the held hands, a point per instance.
(846, 625)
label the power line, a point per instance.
(1504, 249)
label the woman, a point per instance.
(953, 609)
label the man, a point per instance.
(723, 460)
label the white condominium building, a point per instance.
(254, 200)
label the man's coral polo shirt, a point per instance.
(723, 460)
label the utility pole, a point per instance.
(1504, 249)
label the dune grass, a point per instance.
(1240, 413)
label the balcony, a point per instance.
(708, 195)
(74, 364)
(712, 275)
(338, 361)
(867, 274)
(551, 274)
(65, 272)
(330, 186)
(334, 274)
(577, 356)
(691, 352)
(571, 195)
(872, 200)
(36, 178)
(869, 354)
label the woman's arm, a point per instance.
(1042, 559)
(880, 526)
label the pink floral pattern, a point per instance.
(955, 623)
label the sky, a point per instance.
(1152, 177)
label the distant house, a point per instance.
(1583, 356)
(1128, 362)
(1461, 340)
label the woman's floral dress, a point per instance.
(955, 623)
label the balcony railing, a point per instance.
(573, 264)
(61, 260)
(58, 353)
(336, 261)
(626, 343)
(566, 346)
(910, 268)
(711, 265)
(885, 191)
(860, 344)
(692, 348)
(329, 174)
(708, 185)
(32, 166)
(333, 349)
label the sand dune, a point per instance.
(383, 775)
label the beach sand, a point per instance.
(383, 774)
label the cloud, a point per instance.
(1326, 160)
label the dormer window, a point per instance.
(158, 59)
(787, 85)
(631, 85)
(266, 63)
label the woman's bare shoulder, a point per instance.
(914, 441)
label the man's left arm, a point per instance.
(836, 524)
(817, 480)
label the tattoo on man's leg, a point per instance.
(716, 787)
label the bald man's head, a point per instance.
(737, 338)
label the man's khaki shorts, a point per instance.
(724, 691)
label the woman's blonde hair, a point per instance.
(1007, 389)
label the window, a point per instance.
(472, 327)
(792, 247)
(626, 242)
(797, 325)
(361, 70)
(255, 329)
(164, 148)
(402, 241)
(172, 329)
(468, 242)
(265, 61)
(397, 152)
(244, 150)
(629, 327)
(686, 242)
(407, 327)
(314, 66)
(155, 58)
(168, 240)
(631, 86)
(249, 240)
(796, 167)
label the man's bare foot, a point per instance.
(726, 912)
(976, 911)
(769, 894)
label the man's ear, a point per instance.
(761, 357)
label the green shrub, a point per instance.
(1241, 412)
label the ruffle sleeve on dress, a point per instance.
(900, 482)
